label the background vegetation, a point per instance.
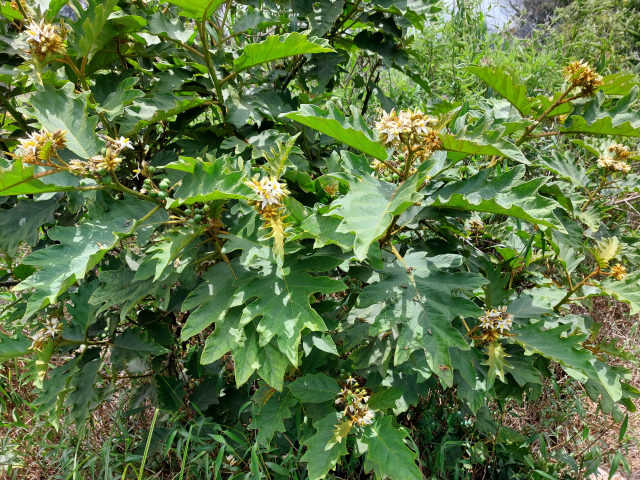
(168, 414)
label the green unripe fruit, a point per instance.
(198, 218)
(102, 171)
(162, 195)
(153, 194)
(106, 329)
(206, 208)
(188, 211)
(395, 176)
(164, 186)
(191, 221)
(151, 169)
(106, 180)
(147, 181)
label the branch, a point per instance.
(15, 114)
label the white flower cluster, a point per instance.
(51, 330)
(40, 33)
(270, 191)
(609, 163)
(43, 141)
(476, 225)
(45, 38)
(396, 129)
(356, 403)
(496, 319)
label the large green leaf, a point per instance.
(424, 302)
(210, 301)
(388, 450)
(159, 24)
(504, 195)
(325, 231)
(131, 344)
(315, 388)
(92, 30)
(323, 451)
(79, 249)
(350, 130)
(369, 207)
(269, 413)
(618, 83)
(81, 394)
(114, 102)
(325, 14)
(153, 109)
(565, 167)
(83, 314)
(550, 343)
(50, 398)
(170, 392)
(212, 181)
(595, 119)
(22, 223)
(282, 299)
(63, 109)
(166, 250)
(23, 180)
(503, 84)
(198, 9)
(13, 347)
(625, 290)
(483, 139)
(276, 46)
(249, 357)
(120, 288)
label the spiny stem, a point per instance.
(532, 127)
(574, 289)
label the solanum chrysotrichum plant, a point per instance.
(209, 224)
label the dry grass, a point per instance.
(616, 324)
(561, 418)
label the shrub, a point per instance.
(214, 235)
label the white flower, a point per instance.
(51, 331)
(34, 32)
(502, 326)
(421, 123)
(231, 460)
(37, 339)
(486, 322)
(350, 381)
(366, 418)
(122, 143)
